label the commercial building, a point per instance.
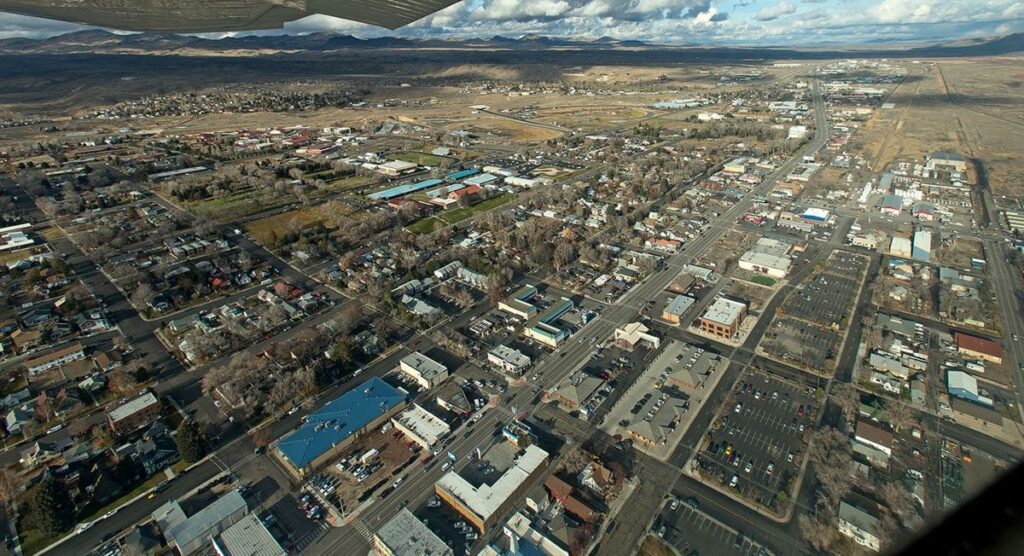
(817, 215)
(247, 537)
(657, 419)
(190, 534)
(519, 304)
(764, 261)
(15, 237)
(406, 535)
(509, 360)
(334, 427)
(424, 370)
(634, 334)
(965, 386)
(484, 501)
(43, 363)
(134, 414)
(979, 348)
(676, 308)
(736, 166)
(922, 249)
(544, 330)
(575, 392)
(891, 204)
(723, 318)
(859, 524)
(421, 426)
(396, 168)
(947, 158)
(900, 247)
(686, 366)
(404, 189)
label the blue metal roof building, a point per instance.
(334, 425)
(404, 189)
(455, 176)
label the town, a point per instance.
(768, 308)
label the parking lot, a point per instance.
(691, 531)
(806, 344)
(757, 442)
(448, 525)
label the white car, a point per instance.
(735, 481)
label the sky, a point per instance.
(754, 22)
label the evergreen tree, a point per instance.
(189, 439)
(48, 513)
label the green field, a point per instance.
(434, 223)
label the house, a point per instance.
(874, 437)
(43, 363)
(18, 417)
(155, 454)
(598, 478)
(563, 492)
(861, 523)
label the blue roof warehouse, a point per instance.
(336, 425)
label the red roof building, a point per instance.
(973, 346)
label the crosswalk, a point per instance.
(363, 530)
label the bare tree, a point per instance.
(846, 397)
(899, 414)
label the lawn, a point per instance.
(423, 159)
(425, 226)
(763, 280)
(32, 540)
(348, 182)
(459, 214)
(434, 223)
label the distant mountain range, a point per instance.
(98, 41)
(103, 42)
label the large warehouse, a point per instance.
(333, 428)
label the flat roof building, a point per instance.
(483, 504)
(421, 426)
(190, 534)
(676, 308)
(331, 429)
(723, 318)
(510, 360)
(973, 346)
(424, 370)
(965, 386)
(248, 537)
(406, 535)
(134, 414)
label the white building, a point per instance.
(421, 426)
(510, 360)
(859, 525)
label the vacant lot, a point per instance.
(268, 230)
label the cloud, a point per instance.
(750, 22)
(773, 13)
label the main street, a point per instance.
(571, 356)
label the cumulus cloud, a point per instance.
(670, 21)
(775, 12)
